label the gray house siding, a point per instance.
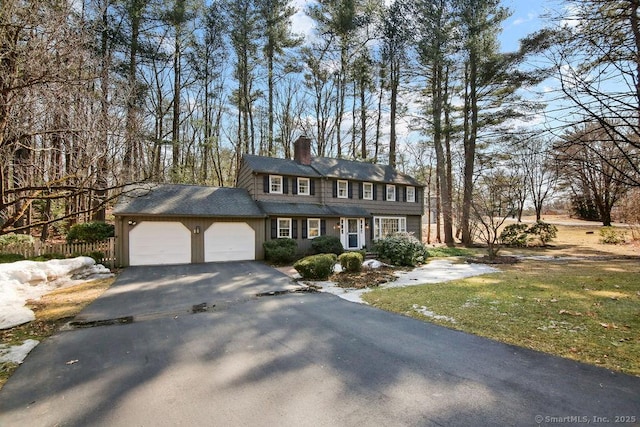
(303, 241)
(246, 180)
(289, 190)
(377, 206)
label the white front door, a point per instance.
(352, 233)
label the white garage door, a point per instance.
(153, 243)
(229, 241)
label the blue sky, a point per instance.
(526, 19)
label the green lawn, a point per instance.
(587, 310)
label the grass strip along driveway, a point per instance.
(586, 310)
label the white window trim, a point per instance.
(364, 191)
(272, 178)
(280, 236)
(308, 181)
(346, 189)
(389, 187)
(309, 228)
(413, 194)
(402, 225)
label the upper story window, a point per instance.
(391, 192)
(367, 191)
(411, 194)
(343, 189)
(304, 186)
(275, 184)
(284, 227)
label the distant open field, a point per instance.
(575, 238)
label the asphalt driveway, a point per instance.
(290, 359)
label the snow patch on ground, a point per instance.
(428, 313)
(16, 353)
(435, 271)
(24, 280)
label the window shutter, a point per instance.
(265, 184)
(350, 189)
(312, 187)
(375, 187)
(274, 229)
(398, 189)
(404, 194)
(335, 188)
(294, 228)
(294, 188)
(285, 185)
(304, 229)
(323, 227)
(384, 192)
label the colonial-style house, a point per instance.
(275, 198)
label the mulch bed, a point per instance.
(367, 278)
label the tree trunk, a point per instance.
(441, 161)
(175, 127)
(471, 130)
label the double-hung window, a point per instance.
(313, 228)
(275, 184)
(367, 191)
(411, 194)
(284, 227)
(391, 192)
(304, 186)
(384, 226)
(343, 189)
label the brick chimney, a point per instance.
(302, 150)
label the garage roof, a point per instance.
(186, 200)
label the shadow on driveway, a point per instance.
(290, 360)
(149, 290)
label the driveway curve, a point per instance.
(292, 359)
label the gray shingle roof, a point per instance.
(186, 200)
(279, 166)
(360, 171)
(311, 209)
(331, 168)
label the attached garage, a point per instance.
(229, 241)
(162, 242)
(182, 224)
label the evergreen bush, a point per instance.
(15, 239)
(327, 245)
(90, 232)
(280, 251)
(544, 231)
(316, 267)
(402, 249)
(515, 235)
(612, 236)
(351, 262)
